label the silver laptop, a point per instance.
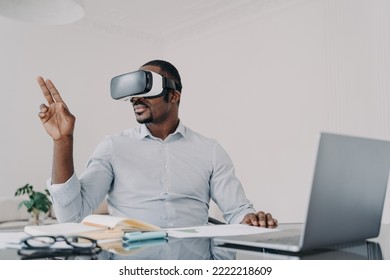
(346, 201)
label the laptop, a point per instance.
(346, 201)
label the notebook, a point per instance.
(346, 200)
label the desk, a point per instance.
(205, 249)
(372, 249)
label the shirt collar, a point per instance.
(180, 130)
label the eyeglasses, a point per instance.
(51, 247)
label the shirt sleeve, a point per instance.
(226, 189)
(79, 197)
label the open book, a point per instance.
(93, 226)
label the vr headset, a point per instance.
(140, 83)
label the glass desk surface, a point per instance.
(206, 249)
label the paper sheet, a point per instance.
(10, 239)
(216, 230)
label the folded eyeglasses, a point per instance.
(54, 247)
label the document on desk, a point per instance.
(9, 239)
(216, 230)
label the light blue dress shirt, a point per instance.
(166, 183)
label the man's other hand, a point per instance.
(260, 219)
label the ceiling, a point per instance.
(173, 19)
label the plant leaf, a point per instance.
(38, 201)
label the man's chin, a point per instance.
(144, 120)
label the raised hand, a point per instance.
(55, 116)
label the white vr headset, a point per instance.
(140, 83)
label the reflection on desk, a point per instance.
(205, 249)
(374, 249)
(166, 249)
(359, 251)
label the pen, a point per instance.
(138, 235)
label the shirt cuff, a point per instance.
(64, 193)
(238, 219)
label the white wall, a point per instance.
(264, 87)
(80, 61)
(267, 87)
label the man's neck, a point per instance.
(162, 130)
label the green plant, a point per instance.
(38, 202)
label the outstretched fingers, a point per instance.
(45, 90)
(49, 91)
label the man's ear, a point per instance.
(175, 96)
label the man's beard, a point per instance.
(145, 120)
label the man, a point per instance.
(160, 172)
